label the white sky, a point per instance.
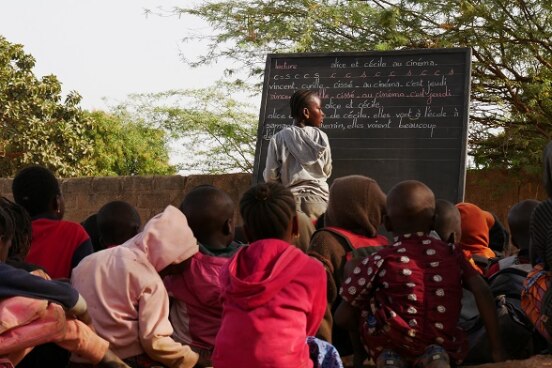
(107, 48)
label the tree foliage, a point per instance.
(216, 131)
(35, 126)
(511, 115)
(124, 146)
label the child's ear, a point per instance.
(387, 223)
(306, 113)
(294, 226)
(228, 228)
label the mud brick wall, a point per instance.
(495, 191)
(149, 194)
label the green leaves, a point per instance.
(216, 132)
(511, 43)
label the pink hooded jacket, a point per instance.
(274, 296)
(126, 296)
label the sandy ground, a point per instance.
(536, 361)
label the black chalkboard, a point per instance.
(392, 116)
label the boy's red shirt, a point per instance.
(54, 244)
(410, 296)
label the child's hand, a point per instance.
(41, 273)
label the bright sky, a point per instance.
(107, 48)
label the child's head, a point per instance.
(547, 172)
(7, 229)
(37, 190)
(475, 225)
(117, 222)
(410, 208)
(519, 218)
(21, 241)
(268, 211)
(210, 214)
(447, 221)
(306, 108)
(357, 204)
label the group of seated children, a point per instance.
(181, 292)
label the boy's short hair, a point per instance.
(117, 222)
(206, 208)
(34, 188)
(267, 210)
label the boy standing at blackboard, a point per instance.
(299, 156)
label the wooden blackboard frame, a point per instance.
(467, 55)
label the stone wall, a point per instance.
(495, 191)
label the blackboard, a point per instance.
(393, 115)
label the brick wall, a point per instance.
(149, 194)
(495, 191)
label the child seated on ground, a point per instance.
(274, 295)
(405, 299)
(476, 224)
(128, 301)
(536, 299)
(519, 218)
(33, 310)
(57, 245)
(196, 310)
(448, 222)
(117, 222)
(355, 211)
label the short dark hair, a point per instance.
(299, 100)
(34, 188)
(267, 209)
(207, 208)
(117, 222)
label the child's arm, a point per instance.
(17, 282)
(348, 317)
(487, 310)
(155, 330)
(272, 168)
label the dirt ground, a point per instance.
(537, 361)
(533, 362)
